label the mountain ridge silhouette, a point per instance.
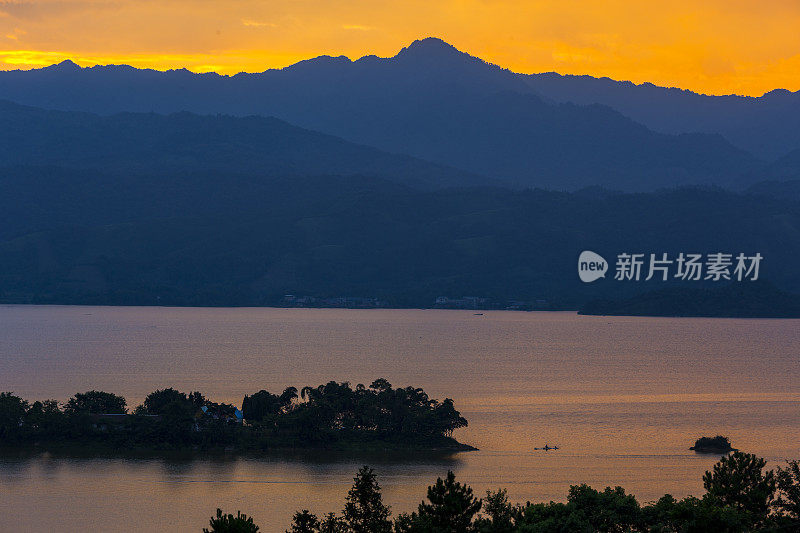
(430, 101)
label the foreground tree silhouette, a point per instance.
(607, 510)
(788, 481)
(333, 524)
(451, 509)
(587, 511)
(227, 523)
(739, 481)
(304, 522)
(740, 498)
(501, 516)
(364, 511)
(693, 515)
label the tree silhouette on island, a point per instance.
(332, 415)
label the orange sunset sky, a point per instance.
(710, 46)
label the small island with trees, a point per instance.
(332, 416)
(717, 445)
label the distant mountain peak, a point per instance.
(430, 47)
(66, 65)
(780, 93)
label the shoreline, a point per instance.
(479, 310)
(90, 450)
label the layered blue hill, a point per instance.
(430, 101)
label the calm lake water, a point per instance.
(624, 398)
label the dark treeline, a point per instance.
(334, 414)
(741, 496)
(758, 299)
